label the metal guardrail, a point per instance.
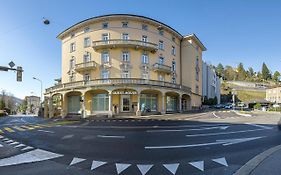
(118, 81)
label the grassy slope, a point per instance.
(250, 95)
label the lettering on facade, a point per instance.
(124, 93)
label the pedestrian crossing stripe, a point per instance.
(36, 126)
(18, 128)
(9, 129)
(27, 127)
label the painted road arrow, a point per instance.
(194, 129)
(225, 142)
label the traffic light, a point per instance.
(19, 73)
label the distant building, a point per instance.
(211, 83)
(33, 104)
(273, 95)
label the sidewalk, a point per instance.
(266, 163)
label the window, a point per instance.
(161, 32)
(125, 36)
(148, 101)
(174, 80)
(124, 24)
(144, 59)
(104, 74)
(160, 77)
(72, 63)
(173, 50)
(72, 47)
(144, 38)
(105, 36)
(86, 29)
(105, 57)
(125, 56)
(173, 39)
(87, 57)
(197, 89)
(87, 42)
(125, 74)
(100, 102)
(173, 66)
(161, 60)
(161, 45)
(104, 25)
(72, 78)
(87, 77)
(144, 27)
(197, 69)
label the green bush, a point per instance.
(257, 106)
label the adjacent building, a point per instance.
(32, 104)
(273, 95)
(211, 83)
(121, 63)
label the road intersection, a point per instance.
(202, 145)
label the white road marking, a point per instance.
(198, 164)
(1, 137)
(222, 133)
(97, 164)
(46, 131)
(121, 167)
(260, 126)
(221, 161)
(9, 141)
(29, 157)
(144, 168)
(111, 136)
(1, 145)
(5, 139)
(27, 148)
(67, 136)
(215, 115)
(194, 129)
(20, 145)
(76, 160)
(14, 143)
(225, 142)
(172, 167)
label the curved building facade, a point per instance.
(126, 64)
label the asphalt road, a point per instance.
(212, 143)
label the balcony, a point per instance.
(117, 81)
(82, 67)
(162, 68)
(120, 43)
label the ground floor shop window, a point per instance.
(73, 104)
(171, 104)
(100, 102)
(148, 102)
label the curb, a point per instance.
(256, 161)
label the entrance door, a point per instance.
(126, 103)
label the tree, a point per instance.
(229, 73)
(241, 72)
(251, 72)
(265, 72)
(220, 70)
(2, 100)
(276, 76)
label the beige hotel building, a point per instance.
(126, 64)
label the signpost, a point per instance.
(18, 69)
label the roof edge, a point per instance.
(193, 36)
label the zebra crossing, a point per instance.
(28, 127)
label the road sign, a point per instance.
(11, 64)
(19, 73)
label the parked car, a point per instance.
(3, 113)
(228, 107)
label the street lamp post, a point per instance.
(41, 100)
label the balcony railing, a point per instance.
(114, 43)
(81, 67)
(162, 68)
(118, 81)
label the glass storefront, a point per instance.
(148, 102)
(73, 104)
(100, 102)
(171, 104)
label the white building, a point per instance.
(211, 83)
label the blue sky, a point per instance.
(233, 31)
